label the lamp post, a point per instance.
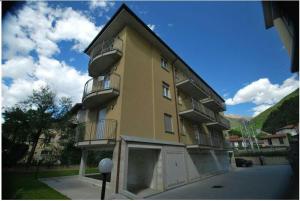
(105, 167)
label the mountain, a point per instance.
(258, 121)
(236, 120)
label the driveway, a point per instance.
(258, 182)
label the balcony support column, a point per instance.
(83, 162)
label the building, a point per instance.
(162, 121)
(289, 129)
(238, 142)
(275, 140)
(284, 15)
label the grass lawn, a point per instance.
(24, 185)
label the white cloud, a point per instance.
(260, 108)
(65, 29)
(170, 25)
(263, 93)
(18, 67)
(103, 4)
(37, 28)
(151, 26)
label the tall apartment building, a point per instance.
(162, 122)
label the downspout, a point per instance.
(118, 165)
(175, 89)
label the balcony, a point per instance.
(99, 90)
(195, 111)
(220, 123)
(194, 88)
(102, 133)
(104, 55)
(214, 102)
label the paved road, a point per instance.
(259, 182)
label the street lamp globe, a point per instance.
(105, 166)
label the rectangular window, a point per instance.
(166, 90)
(164, 64)
(270, 141)
(168, 123)
(281, 140)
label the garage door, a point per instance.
(175, 169)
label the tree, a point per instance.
(16, 126)
(234, 132)
(35, 116)
(287, 113)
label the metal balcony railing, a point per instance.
(104, 129)
(102, 83)
(217, 99)
(181, 76)
(222, 120)
(106, 46)
(204, 139)
(191, 103)
(217, 140)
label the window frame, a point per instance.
(166, 86)
(171, 124)
(281, 141)
(164, 64)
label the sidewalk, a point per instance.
(258, 182)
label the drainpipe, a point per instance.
(174, 82)
(118, 165)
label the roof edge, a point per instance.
(124, 6)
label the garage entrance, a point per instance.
(175, 169)
(144, 167)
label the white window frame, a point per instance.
(166, 90)
(164, 63)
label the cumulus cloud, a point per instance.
(103, 4)
(263, 93)
(30, 40)
(151, 26)
(19, 67)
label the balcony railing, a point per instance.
(217, 139)
(182, 76)
(104, 129)
(222, 120)
(192, 104)
(102, 83)
(105, 47)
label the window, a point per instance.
(281, 140)
(168, 123)
(270, 141)
(164, 64)
(166, 90)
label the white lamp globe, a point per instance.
(105, 165)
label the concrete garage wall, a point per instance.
(205, 163)
(143, 171)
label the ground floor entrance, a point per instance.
(142, 168)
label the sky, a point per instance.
(226, 43)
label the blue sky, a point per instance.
(226, 43)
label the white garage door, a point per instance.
(175, 169)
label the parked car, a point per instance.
(240, 162)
